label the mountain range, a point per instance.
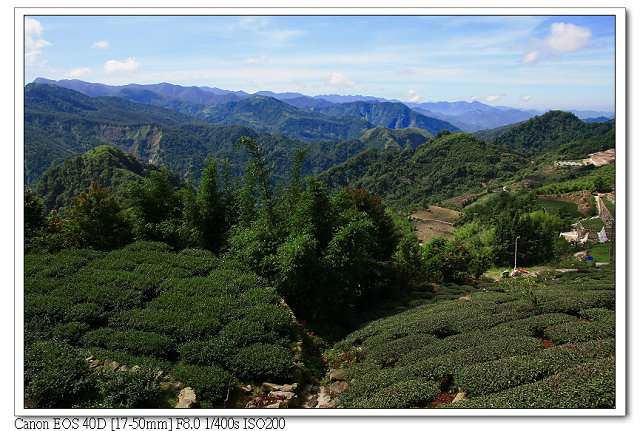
(60, 123)
(461, 115)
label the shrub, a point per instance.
(404, 394)
(587, 386)
(128, 390)
(56, 375)
(216, 351)
(210, 383)
(263, 362)
(133, 341)
(70, 333)
(578, 331)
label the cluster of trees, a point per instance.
(328, 255)
(491, 230)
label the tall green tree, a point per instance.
(98, 220)
(211, 208)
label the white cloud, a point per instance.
(413, 96)
(567, 37)
(78, 72)
(100, 44)
(252, 60)
(129, 65)
(33, 41)
(341, 81)
(407, 71)
(492, 98)
(475, 97)
(526, 98)
(531, 57)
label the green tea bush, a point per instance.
(132, 341)
(568, 302)
(210, 383)
(578, 331)
(128, 390)
(218, 350)
(404, 394)
(247, 331)
(439, 366)
(535, 326)
(58, 265)
(56, 375)
(501, 374)
(263, 362)
(587, 386)
(380, 352)
(259, 296)
(70, 333)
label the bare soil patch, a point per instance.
(434, 221)
(602, 158)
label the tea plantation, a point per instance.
(536, 343)
(188, 314)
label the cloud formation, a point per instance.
(567, 37)
(413, 96)
(252, 60)
(33, 41)
(100, 44)
(129, 65)
(563, 38)
(531, 57)
(492, 98)
(526, 98)
(340, 81)
(78, 72)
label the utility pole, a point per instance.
(515, 255)
(613, 225)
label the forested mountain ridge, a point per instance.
(446, 166)
(387, 114)
(108, 166)
(266, 114)
(550, 131)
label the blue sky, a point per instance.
(537, 62)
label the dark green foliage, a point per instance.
(495, 376)
(56, 375)
(106, 165)
(261, 362)
(445, 167)
(34, 214)
(587, 386)
(98, 220)
(491, 347)
(210, 383)
(71, 332)
(404, 394)
(582, 148)
(132, 341)
(128, 390)
(550, 131)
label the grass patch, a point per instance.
(561, 208)
(593, 224)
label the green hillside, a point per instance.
(108, 166)
(447, 166)
(550, 131)
(551, 346)
(266, 114)
(389, 115)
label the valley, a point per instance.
(196, 247)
